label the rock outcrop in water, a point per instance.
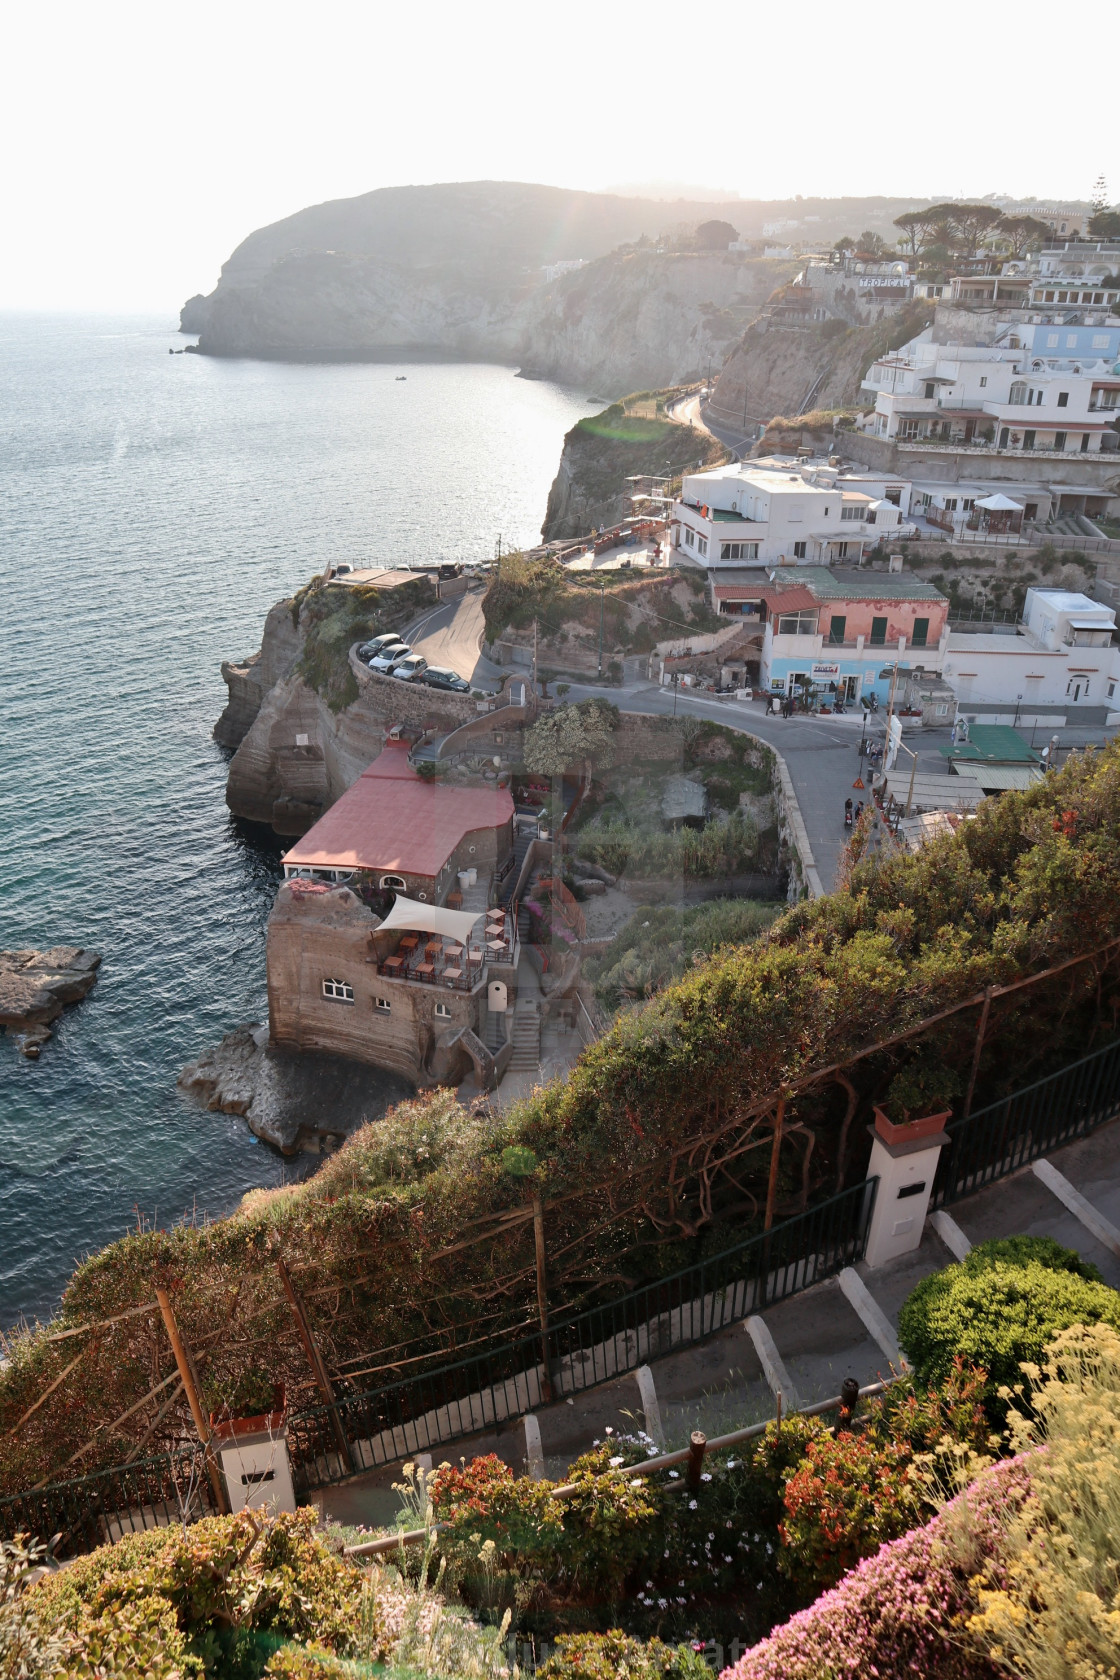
(298, 1103)
(36, 986)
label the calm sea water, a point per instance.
(152, 508)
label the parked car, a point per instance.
(369, 649)
(390, 656)
(411, 668)
(439, 676)
(450, 569)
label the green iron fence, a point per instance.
(85, 1512)
(584, 1349)
(1028, 1124)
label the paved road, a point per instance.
(450, 635)
(822, 753)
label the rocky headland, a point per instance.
(36, 986)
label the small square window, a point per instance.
(383, 1004)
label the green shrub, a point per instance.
(659, 943)
(1020, 1251)
(617, 1656)
(996, 1316)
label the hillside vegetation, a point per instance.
(415, 1241)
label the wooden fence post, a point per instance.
(315, 1360)
(186, 1372)
(542, 1295)
(697, 1446)
(981, 1030)
(775, 1154)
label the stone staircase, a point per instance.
(526, 1056)
(521, 845)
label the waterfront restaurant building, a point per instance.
(407, 991)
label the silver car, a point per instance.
(390, 656)
(412, 667)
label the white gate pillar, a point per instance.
(905, 1172)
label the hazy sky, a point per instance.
(141, 142)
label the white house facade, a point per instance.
(766, 514)
(1062, 653)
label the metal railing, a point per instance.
(587, 1348)
(126, 1499)
(1028, 1124)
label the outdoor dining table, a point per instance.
(424, 969)
(475, 953)
(452, 974)
(393, 962)
(433, 948)
(409, 942)
(496, 944)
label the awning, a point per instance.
(998, 778)
(1090, 624)
(999, 504)
(430, 918)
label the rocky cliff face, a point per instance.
(782, 370)
(590, 489)
(377, 277)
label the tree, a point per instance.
(1105, 224)
(569, 739)
(847, 243)
(972, 222)
(871, 244)
(715, 236)
(913, 225)
(1021, 233)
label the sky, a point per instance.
(142, 142)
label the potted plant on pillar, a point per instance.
(918, 1103)
(252, 1403)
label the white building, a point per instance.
(1005, 396)
(1063, 653)
(764, 513)
(1078, 274)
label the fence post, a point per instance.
(186, 1373)
(775, 1155)
(697, 1446)
(315, 1360)
(542, 1295)
(981, 1030)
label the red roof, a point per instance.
(392, 820)
(777, 600)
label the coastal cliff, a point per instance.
(306, 717)
(471, 270)
(591, 488)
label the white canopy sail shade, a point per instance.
(999, 504)
(430, 918)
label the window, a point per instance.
(921, 631)
(1063, 399)
(443, 1012)
(1051, 338)
(1028, 440)
(1019, 393)
(1078, 687)
(1059, 440)
(950, 504)
(799, 550)
(837, 628)
(853, 511)
(393, 882)
(383, 1004)
(1084, 443)
(983, 381)
(1031, 510)
(339, 991)
(941, 709)
(702, 545)
(1071, 341)
(1100, 341)
(1111, 690)
(689, 537)
(929, 390)
(878, 632)
(738, 551)
(1038, 399)
(967, 503)
(798, 623)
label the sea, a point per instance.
(152, 508)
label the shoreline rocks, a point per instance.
(299, 1103)
(36, 986)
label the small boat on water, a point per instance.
(401, 376)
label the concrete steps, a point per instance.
(526, 1056)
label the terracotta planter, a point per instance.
(908, 1131)
(265, 1423)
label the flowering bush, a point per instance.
(503, 1533)
(617, 1656)
(849, 1494)
(607, 1523)
(898, 1613)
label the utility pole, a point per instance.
(602, 612)
(534, 656)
